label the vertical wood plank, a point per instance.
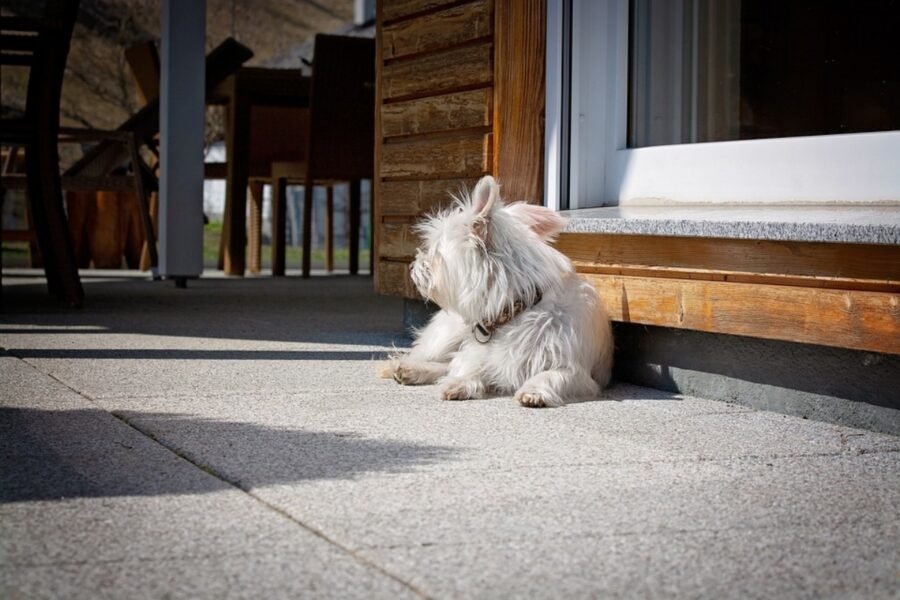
(377, 280)
(519, 83)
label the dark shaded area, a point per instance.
(265, 309)
(48, 455)
(819, 67)
(646, 356)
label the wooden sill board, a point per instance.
(843, 295)
(855, 319)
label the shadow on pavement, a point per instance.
(157, 354)
(51, 455)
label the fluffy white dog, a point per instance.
(515, 316)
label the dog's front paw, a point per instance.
(535, 399)
(462, 390)
(455, 392)
(405, 375)
(386, 369)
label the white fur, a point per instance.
(477, 259)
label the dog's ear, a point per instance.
(485, 198)
(544, 222)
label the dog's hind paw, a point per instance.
(531, 400)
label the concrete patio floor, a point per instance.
(232, 440)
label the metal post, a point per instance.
(182, 105)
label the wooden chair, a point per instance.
(278, 137)
(335, 144)
(266, 121)
(90, 186)
(143, 127)
(119, 180)
(42, 45)
(341, 142)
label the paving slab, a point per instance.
(90, 507)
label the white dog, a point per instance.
(515, 318)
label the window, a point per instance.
(722, 101)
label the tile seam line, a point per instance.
(678, 531)
(365, 562)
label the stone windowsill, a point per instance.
(837, 224)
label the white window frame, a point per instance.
(601, 170)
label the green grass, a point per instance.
(212, 234)
(15, 255)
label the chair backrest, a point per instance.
(143, 60)
(42, 44)
(224, 60)
(277, 133)
(342, 108)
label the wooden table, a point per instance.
(248, 87)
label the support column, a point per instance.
(182, 105)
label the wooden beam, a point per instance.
(395, 279)
(854, 261)
(461, 110)
(440, 29)
(412, 198)
(400, 9)
(466, 155)
(858, 320)
(455, 70)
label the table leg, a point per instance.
(307, 226)
(329, 229)
(355, 193)
(279, 227)
(254, 228)
(237, 141)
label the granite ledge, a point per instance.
(837, 224)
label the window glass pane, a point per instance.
(715, 70)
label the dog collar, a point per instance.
(484, 330)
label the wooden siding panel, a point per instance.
(395, 9)
(464, 67)
(435, 119)
(437, 113)
(397, 241)
(417, 197)
(395, 280)
(440, 29)
(859, 320)
(437, 158)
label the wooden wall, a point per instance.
(456, 100)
